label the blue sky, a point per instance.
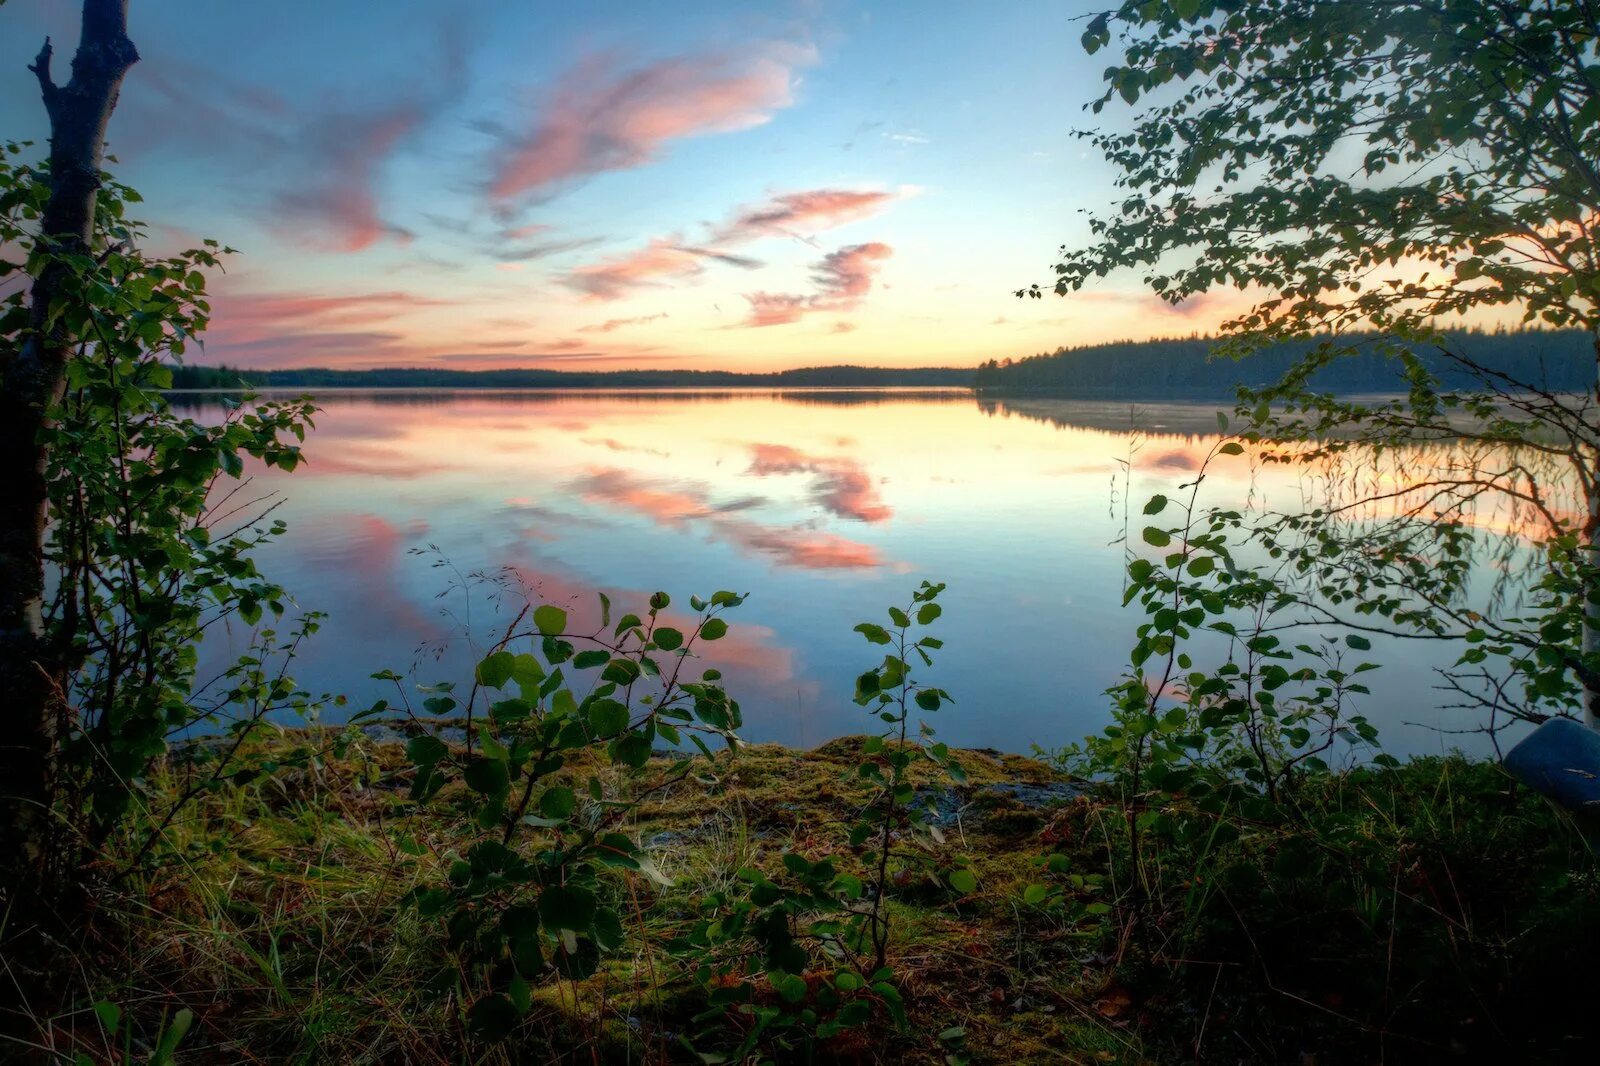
(614, 184)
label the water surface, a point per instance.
(823, 506)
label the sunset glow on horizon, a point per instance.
(511, 185)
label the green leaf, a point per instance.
(668, 639)
(791, 988)
(875, 634)
(631, 749)
(110, 1015)
(558, 802)
(1096, 35)
(620, 671)
(1358, 642)
(487, 776)
(713, 629)
(567, 907)
(425, 750)
(549, 619)
(167, 1046)
(1157, 537)
(496, 670)
(1157, 504)
(607, 717)
(492, 1018)
(963, 880)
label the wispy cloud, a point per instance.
(603, 117)
(314, 174)
(293, 328)
(803, 213)
(660, 261)
(334, 203)
(612, 324)
(843, 278)
(544, 249)
(665, 260)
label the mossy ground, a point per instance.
(275, 915)
(276, 918)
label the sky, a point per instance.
(521, 183)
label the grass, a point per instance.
(274, 917)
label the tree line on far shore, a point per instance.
(1551, 360)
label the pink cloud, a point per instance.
(286, 328)
(334, 205)
(801, 213)
(842, 486)
(846, 275)
(256, 311)
(599, 118)
(775, 308)
(242, 318)
(612, 278)
(667, 259)
(663, 259)
(843, 278)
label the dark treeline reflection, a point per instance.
(1181, 421)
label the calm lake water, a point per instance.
(824, 506)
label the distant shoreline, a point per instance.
(233, 390)
(191, 377)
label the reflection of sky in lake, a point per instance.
(825, 508)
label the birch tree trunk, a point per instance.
(32, 377)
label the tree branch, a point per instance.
(41, 70)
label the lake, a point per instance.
(420, 517)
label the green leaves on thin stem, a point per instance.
(524, 901)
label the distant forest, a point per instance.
(1560, 361)
(221, 377)
(1555, 360)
